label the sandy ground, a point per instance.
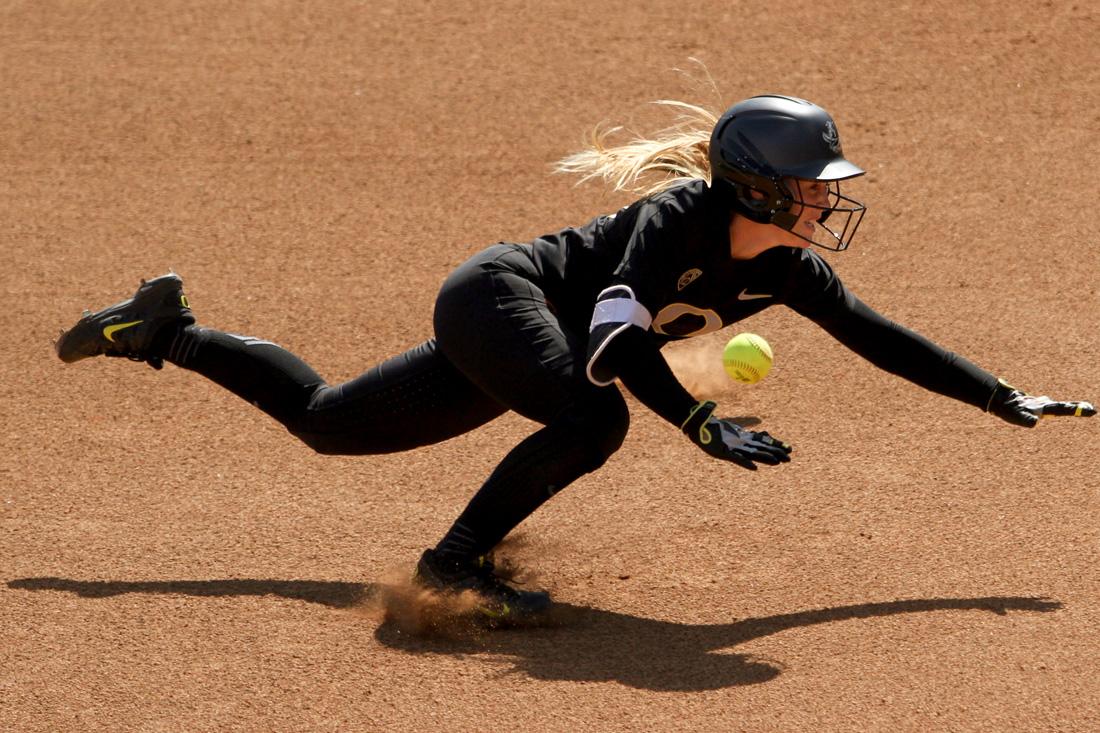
(172, 560)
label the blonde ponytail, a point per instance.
(674, 155)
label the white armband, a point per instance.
(615, 314)
(625, 309)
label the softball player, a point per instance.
(545, 328)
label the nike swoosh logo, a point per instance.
(110, 331)
(746, 295)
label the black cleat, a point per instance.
(127, 328)
(499, 603)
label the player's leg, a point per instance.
(413, 399)
(495, 325)
(416, 398)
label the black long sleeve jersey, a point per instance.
(660, 270)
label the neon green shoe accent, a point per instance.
(110, 331)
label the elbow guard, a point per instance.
(616, 310)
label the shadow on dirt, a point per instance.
(326, 593)
(666, 656)
(592, 645)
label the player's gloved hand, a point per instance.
(731, 442)
(1018, 408)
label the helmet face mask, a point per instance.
(849, 213)
(759, 145)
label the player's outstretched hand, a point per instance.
(1018, 408)
(731, 442)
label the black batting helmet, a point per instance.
(761, 141)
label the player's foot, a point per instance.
(500, 604)
(127, 328)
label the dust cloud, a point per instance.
(418, 611)
(698, 366)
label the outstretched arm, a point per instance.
(816, 292)
(908, 354)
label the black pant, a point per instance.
(498, 347)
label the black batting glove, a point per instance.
(731, 442)
(1018, 408)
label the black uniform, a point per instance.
(543, 329)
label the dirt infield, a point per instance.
(172, 560)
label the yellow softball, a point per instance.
(747, 358)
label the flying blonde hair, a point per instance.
(674, 155)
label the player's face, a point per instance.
(815, 193)
(749, 238)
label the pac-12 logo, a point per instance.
(831, 136)
(688, 278)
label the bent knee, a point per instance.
(602, 422)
